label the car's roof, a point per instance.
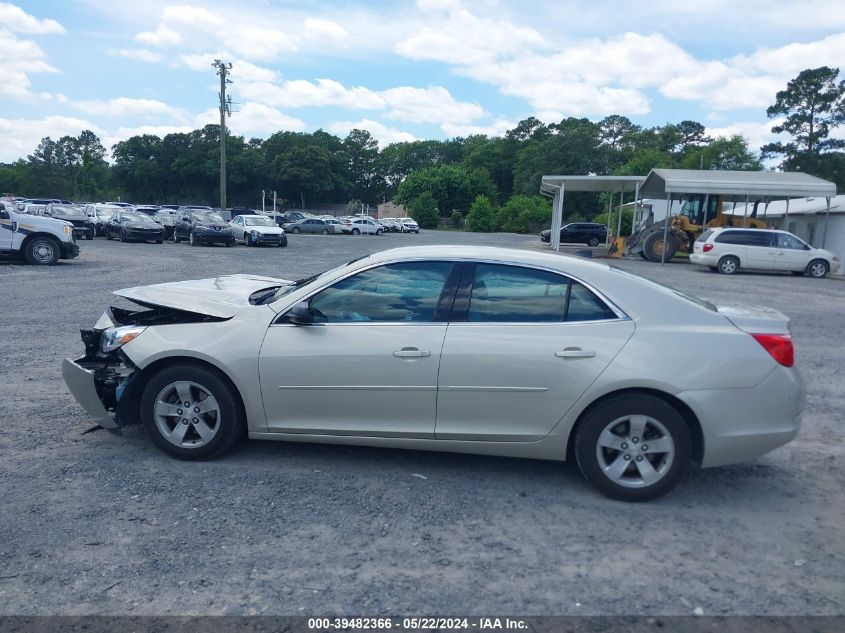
(492, 253)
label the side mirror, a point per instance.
(300, 314)
(4, 215)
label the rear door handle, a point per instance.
(411, 352)
(575, 352)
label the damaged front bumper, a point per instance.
(83, 386)
(102, 382)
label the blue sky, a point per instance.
(403, 70)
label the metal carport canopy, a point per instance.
(773, 184)
(557, 186)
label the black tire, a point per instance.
(653, 244)
(192, 240)
(176, 238)
(231, 419)
(89, 235)
(295, 229)
(230, 244)
(642, 254)
(356, 232)
(379, 232)
(42, 251)
(597, 419)
(324, 232)
(417, 231)
(594, 241)
(122, 237)
(283, 243)
(728, 265)
(818, 268)
(108, 236)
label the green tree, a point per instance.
(524, 214)
(457, 219)
(812, 105)
(362, 150)
(452, 186)
(722, 153)
(424, 210)
(481, 216)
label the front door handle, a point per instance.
(411, 352)
(575, 352)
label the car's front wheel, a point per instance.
(42, 251)
(594, 241)
(190, 412)
(633, 447)
(295, 229)
(192, 239)
(818, 268)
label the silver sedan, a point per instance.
(462, 349)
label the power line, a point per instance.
(225, 107)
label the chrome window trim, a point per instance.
(620, 314)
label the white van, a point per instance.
(726, 250)
(40, 239)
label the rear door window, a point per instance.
(515, 294)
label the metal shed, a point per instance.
(556, 186)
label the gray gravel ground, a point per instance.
(99, 524)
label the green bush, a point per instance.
(457, 219)
(424, 210)
(481, 216)
(524, 214)
(627, 220)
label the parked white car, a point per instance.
(357, 225)
(38, 238)
(254, 230)
(455, 348)
(727, 250)
(409, 225)
(100, 214)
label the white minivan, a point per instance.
(726, 250)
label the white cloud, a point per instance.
(252, 119)
(383, 134)
(319, 30)
(17, 20)
(428, 105)
(127, 107)
(756, 133)
(497, 128)
(138, 54)
(21, 136)
(19, 58)
(242, 70)
(300, 93)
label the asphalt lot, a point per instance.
(99, 524)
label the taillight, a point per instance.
(707, 248)
(779, 346)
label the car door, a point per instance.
(238, 227)
(790, 252)
(522, 346)
(8, 227)
(113, 225)
(759, 250)
(368, 364)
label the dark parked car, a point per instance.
(312, 225)
(134, 225)
(202, 226)
(82, 224)
(579, 233)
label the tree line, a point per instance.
(491, 182)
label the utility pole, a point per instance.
(223, 69)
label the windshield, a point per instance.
(207, 216)
(281, 291)
(62, 210)
(257, 221)
(133, 216)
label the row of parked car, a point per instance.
(201, 224)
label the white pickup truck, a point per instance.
(41, 240)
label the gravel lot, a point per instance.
(99, 524)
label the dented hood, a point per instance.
(219, 297)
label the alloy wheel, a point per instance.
(186, 414)
(635, 451)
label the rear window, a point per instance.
(745, 238)
(663, 287)
(705, 236)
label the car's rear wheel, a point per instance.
(190, 412)
(42, 251)
(295, 229)
(356, 232)
(633, 447)
(728, 265)
(818, 268)
(379, 232)
(324, 232)
(594, 241)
